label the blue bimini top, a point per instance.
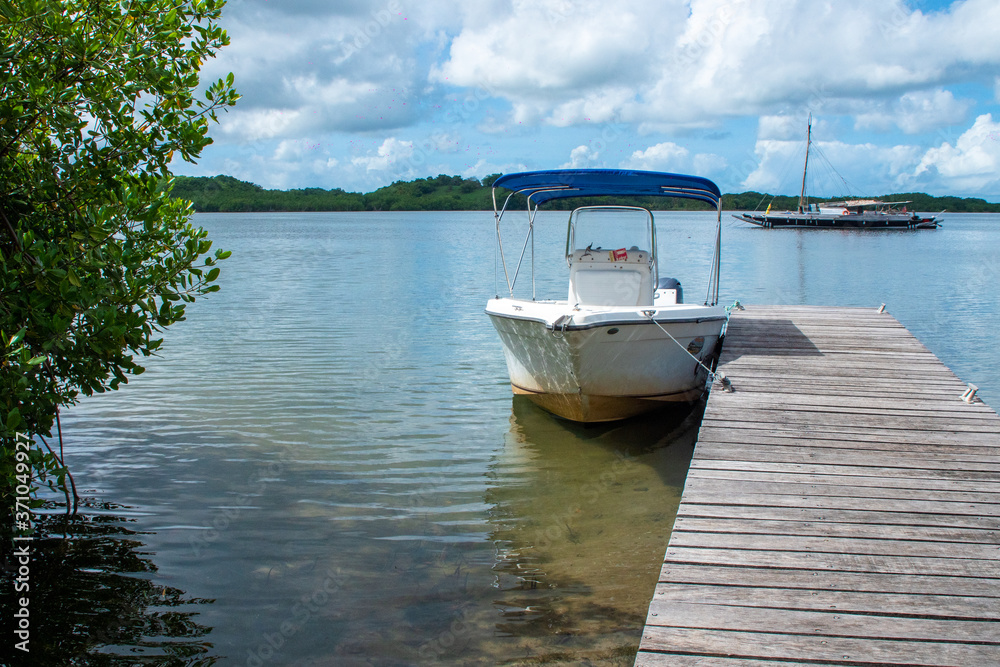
(542, 186)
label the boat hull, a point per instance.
(829, 221)
(608, 365)
(591, 408)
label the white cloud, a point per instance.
(402, 159)
(601, 106)
(258, 124)
(484, 167)
(879, 119)
(581, 157)
(551, 47)
(392, 154)
(922, 111)
(668, 64)
(443, 142)
(836, 168)
(290, 150)
(781, 128)
(771, 172)
(492, 125)
(917, 112)
(350, 66)
(708, 164)
(338, 90)
(560, 62)
(666, 156)
(972, 164)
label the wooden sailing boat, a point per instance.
(850, 213)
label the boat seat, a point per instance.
(603, 277)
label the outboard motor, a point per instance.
(668, 290)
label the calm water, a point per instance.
(327, 467)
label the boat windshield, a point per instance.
(610, 228)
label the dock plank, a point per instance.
(842, 506)
(835, 623)
(883, 517)
(943, 534)
(841, 650)
(889, 563)
(899, 605)
(819, 583)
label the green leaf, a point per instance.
(18, 337)
(13, 420)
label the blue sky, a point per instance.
(356, 94)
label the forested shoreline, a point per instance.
(454, 193)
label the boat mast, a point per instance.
(802, 193)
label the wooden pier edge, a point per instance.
(842, 506)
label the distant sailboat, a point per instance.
(847, 214)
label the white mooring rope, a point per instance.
(715, 376)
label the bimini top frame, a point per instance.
(542, 186)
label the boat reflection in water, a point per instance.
(582, 516)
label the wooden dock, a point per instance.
(842, 506)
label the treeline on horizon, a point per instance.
(226, 194)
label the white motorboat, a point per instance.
(623, 342)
